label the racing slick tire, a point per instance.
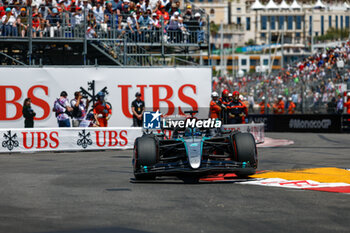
(245, 151)
(145, 154)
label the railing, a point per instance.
(85, 25)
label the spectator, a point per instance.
(86, 6)
(197, 27)
(80, 107)
(22, 22)
(9, 23)
(145, 21)
(44, 11)
(90, 31)
(16, 10)
(28, 113)
(63, 110)
(133, 26)
(174, 28)
(188, 17)
(340, 105)
(137, 107)
(347, 103)
(37, 26)
(332, 106)
(98, 11)
(53, 23)
(164, 14)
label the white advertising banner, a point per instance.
(172, 90)
(92, 138)
(67, 139)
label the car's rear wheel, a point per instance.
(145, 155)
(245, 151)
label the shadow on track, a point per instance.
(100, 230)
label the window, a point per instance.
(253, 62)
(238, 9)
(297, 35)
(330, 21)
(266, 62)
(238, 20)
(276, 62)
(347, 21)
(248, 23)
(280, 22)
(322, 25)
(263, 22)
(290, 22)
(336, 21)
(298, 22)
(341, 22)
(263, 35)
(272, 22)
(244, 62)
(310, 25)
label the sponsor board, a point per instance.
(300, 122)
(172, 90)
(70, 139)
(67, 139)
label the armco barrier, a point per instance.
(79, 139)
(325, 123)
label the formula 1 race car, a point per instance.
(194, 152)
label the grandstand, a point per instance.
(94, 32)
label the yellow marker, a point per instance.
(324, 174)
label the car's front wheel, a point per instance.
(145, 155)
(245, 151)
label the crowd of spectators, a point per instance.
(316, 84)
(141, 20)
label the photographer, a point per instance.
(80, 106)
(63, 110)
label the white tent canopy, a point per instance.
(319, 5)
(271, 5)
(284, 5)
(295, 5)
(257, 6)
(346, 5)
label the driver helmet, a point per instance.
(214, 94)
(196, 132)
(188, 132)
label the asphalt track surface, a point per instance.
(93, 192)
